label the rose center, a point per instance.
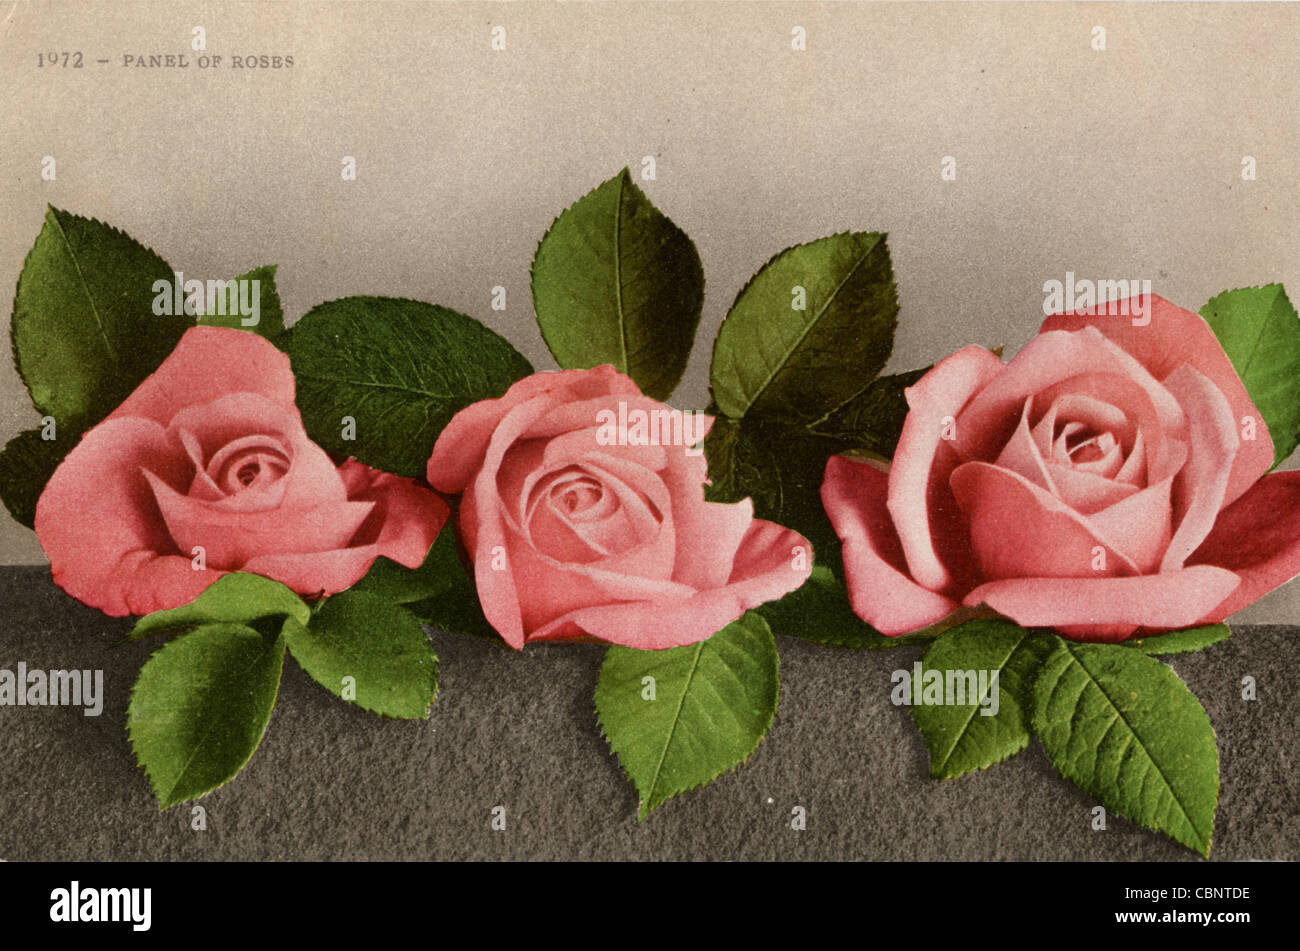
(1090, 448)
(247, 463)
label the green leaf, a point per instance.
(26, 464)
(873, 419)
(380, 646)
(1181, 642)
(238, 598)
(1259, 330)
(400, 369)
(1126, 730)
(713, 702)
(963, 737)
(819, 611)
(84, 331)
(440, 592)
(200, 707)
(226, 308)
(615, 281)
(780, 467)
(796, 365)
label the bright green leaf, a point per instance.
(228, 308)
(712, 703)
(808, 330)
(1259, 330)
(399, 369)
(984, 728)
(84, 331)
(238, 598)
(615, 281)
(1126, 730)
(200, 707)
(1181, 642)
(363, 648)
(26, 464)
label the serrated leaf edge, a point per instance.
(164, 806)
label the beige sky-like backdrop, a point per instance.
(1122, 163)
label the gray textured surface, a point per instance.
(331, 782)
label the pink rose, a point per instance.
(580, 528)
(210, 453)
(1102, 482)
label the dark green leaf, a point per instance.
(873, 419)
(440, 572)
(796, 365)
(1181, 642)
(26, 464)
(400, 369)
(365, 649)
(84, 329)
(228, 309)
(614, 281)
(966, 736)
(712, 703)
(238, 598)
(781, 467)
(1126, 730)
(819, 611)
(200, 707)
(441, 592)
(1259, 330)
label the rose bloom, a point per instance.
(209, 453)
(575, 535)
(1103, 482)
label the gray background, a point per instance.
(519, 730)
(1117, 164)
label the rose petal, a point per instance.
(483, 521)
(551, 590)
(854, 494)
(938, 395)
(1085, 492)
(1022, 456)
(1258, 537)
(462, 445)
(407, 518)
(708, 534)
(1070, 360)
(1139, 526)
(1172, 337)
(231, 539)
(312, 479)
(1201, 486)
(100, 528)
(766, 570)
(208, 363)
(1172, 600)
(320, 572)
(1019, 530)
